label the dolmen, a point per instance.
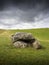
(24, 39)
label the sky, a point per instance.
(24, 14)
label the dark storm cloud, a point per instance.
(23, 3)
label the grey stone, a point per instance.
(22, 36)
(20, 44)
(36, 44)
(23, 39)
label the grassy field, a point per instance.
(9, 55)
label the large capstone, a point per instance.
(22, 36)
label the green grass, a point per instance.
(9, 55)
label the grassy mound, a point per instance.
(9, 55)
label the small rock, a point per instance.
(36, 44)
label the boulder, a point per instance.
(19, 36)
(23, 39)
(20, 44)
(36, 44)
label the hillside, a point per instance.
(41, 34)
(27, 56)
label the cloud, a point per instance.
(24, 14)
(19, 20)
